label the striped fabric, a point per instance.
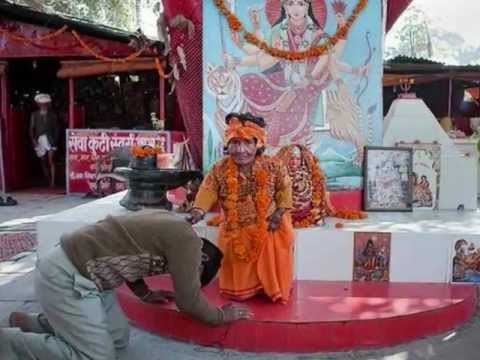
(189, 87)
(13, 243)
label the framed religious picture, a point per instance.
(387, 179)
(425, 175)
(371, 256)
(465, 260)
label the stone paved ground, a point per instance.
(30, 206)
(16, 293)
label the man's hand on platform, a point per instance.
(234, 312)
(195, 215)
(158, 297)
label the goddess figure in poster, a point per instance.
(292, 96)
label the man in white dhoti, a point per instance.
(43, 133)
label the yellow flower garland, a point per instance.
(236, 26)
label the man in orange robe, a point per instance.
(254, 193)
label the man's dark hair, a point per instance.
(211, 261)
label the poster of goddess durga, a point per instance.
(292, 96)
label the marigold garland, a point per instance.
(47, 36)
(83, 44)
(105, 58)
(242, 250)
(236, 26)
(160, 70)
(143, 151)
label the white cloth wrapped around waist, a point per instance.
(43, 146)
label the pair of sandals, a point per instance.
(9, 201)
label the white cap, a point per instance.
(42, 98)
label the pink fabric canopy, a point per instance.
(189, 87)
(395, 8)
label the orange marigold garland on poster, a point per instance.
(236, 26)
(242, 250)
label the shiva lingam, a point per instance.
(147, 184)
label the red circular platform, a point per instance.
(321, 316)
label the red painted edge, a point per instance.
(286, 337)
(346, 200)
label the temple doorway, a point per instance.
(28, 77)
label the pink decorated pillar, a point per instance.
(161, 95)
(71, 103)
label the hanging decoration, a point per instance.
(237, 26)
(53, 34)
(24, 39)
(160, 70)
(104, 58)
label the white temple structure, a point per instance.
(410, 120)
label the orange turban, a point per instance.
(244, 130)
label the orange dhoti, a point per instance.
(271, 273)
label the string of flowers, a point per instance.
(236, 26)
(160, 70)
(105, 58)
(144, 151)
(53, 34)
(22, 38)
(242, 250)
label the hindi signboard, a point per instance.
(86, 146)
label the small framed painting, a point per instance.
(425, 174)
(465, 261)
(387, 179)
(371, 256)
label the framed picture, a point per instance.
(371, 256)
(387, 179)
(465, 260)
(425, 174)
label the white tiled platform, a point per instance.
(421, 245)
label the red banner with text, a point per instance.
(89, 153)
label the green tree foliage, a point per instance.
(413, 38)
(416, 36)
(116, 13)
